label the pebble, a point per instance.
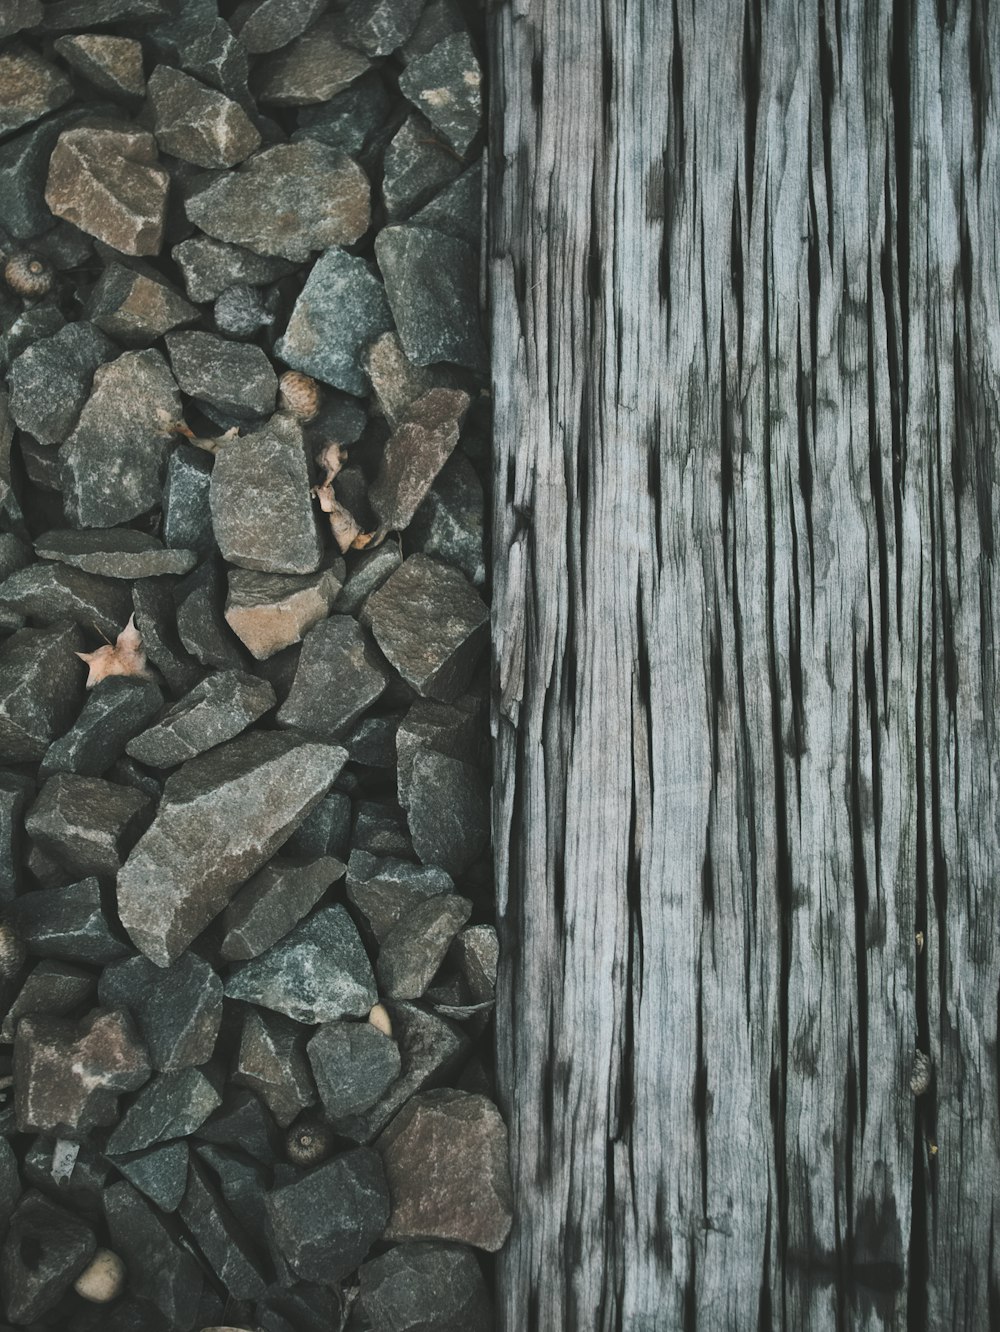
(187, 513)
(113, 552)
(444, 83)
(235, 377)
(68, 923)
(87, 823)
(113, 64)
(313, 68)
(30, 87)
(384, 889)
(51, 989)
(103, 1279)
(354, 1064)
(415, 947)
(269, 612)
(272, 903)
(339, 677)
(51, 380)
(432, 285)
(177, 1009)
(135, 308)
(172, 1105)
(211, 267)
(272, 1063)
(450, 523)
(198, 124)
(160, 1173)
(414, 1287)
(41, 687)
(45, 1250)
(369, 573)
(417, 450)
(160, 1271)
(268, 25)
(218, 708)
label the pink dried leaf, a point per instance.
(126, 656)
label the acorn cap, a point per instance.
(28, 275)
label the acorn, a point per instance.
(13, 953)
(28, 275)
(380, 1019)
(920, 1079)
(309, 1141)
(103, 1279)
(299, 394)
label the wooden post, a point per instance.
(744, 278)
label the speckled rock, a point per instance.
(113, 64)
(210, 267)
(46, 1249)
(51, 593)
(18, 14)
(353, 1064)
(272, 1062)
(449, 811)
(268, 612)
(160, 1271)
(268, 25)
(172, 1105)
(198, 124)
(187, 513)
(160, 1173)
(218, 708)
(370, 571)
(416, 1287)
(313, 68)
(177, 1009)
(417, 450)
(68, 923)
(29, 87)
(449, 525)
(432, 287)
(198, 601)
(349, 121)
(444, 83)
(272, 903)
(417, 166)
(219, 1238)
(415, 947)
(87, 823)
(135, 308)
(51, 379)
(378, 27)
(384, 889)
(115, 552)
(339, 677)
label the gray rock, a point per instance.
(216, 709)
(172, 1105)
(445, 1156)
(10, 1184)
(354, 1064)
(313, 68)
(46, 1249)
(339, 677)
(449, 523)
(68, 1075)
(449, 811)
(161, 1174)
(135, 308)
(54, 592)
(29, 87)
(241, 311)
(35, 322)
(20, 14)
(87, 823)
(380, 828)
(439, 19)
(268, 25)
(51, 989)
(417, 450)
(417, 166)
(261, 507)
(378, 27)
(325, 1222)
(201, 627)
(24, 164)
(269, 612)
(113, 464)
(115, 709)
(431, 624)
(476, 953)
(198, 124)
(222, 816)
(160, 1271)
(397, 382)
(326, 831)
(372, 742)
(234, 376)
(414, 1287)
(455, 729)
(444, 83)
(187, 514)
(113, 64)
(211, 266)
(432, 286)
(341, 309)
(62, 14)
(372, 569)
(204, 45)
(177, 1010)
(288, 200)
(115, 552)
(457, 210)
(243, 1123)
(272, 903)
(15, 792)
(414, 948)
(67, 923)
(272, 1062)
(50, 380)
(219, 1237)
(155, 618)
(77, 1172)
(104, 179)
(317, 973)
(244, 1184)
(349, 120)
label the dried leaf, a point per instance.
(126, 656)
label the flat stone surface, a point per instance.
(417, 450)
(354, 1064)
(104, 179)
(41, 688)
(218, 708)
(20, 14)
(236, 377)
(201, 627)
(269, 612)
(135, 308)
(415, 947)
(444, 83)
(115, 552)
(87, 823)
(67, 923)
(177, 1009)
(449, 811)
(160, 1174)
(161, 1272)
(219, 1238)
(50, 380)
(272, 903)
(210, 267)
(288, 200)
(450, 523)
(415, 1287)
(172, 1105)
(340, 310)
(153, 601)
(51, 989)
(339, 677)
(445, 1157)
(349, 120)
(476, 953)
(372, 569)
(198, 124)
(46, 1249)
(418, 166)
(455, 729)
(113, 464)
(222, 816)
(68, 1075)
(432, 287)
(378, 27)
(272, 1063)
(268, 25)
(431, 624)
(457, 209)
(187, 513)
(30, 87)
(54, 592)
(311, 69)
(113, 64)
(261, 507)
(317, 973)
(116, 708)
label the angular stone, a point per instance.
(161, 1174)
(325, 831)
(350, 120)
(417, 450)
(115, 709)
(87, 823)
(417, 167)
(476, 953)
(272, 1062)
(219, 1238)
(325, 1222)
(33, 323)
(242, 1123)
(222, 816)
(20, 14)
(445, 1157)
(187, 514)
(288, 200)
(67, 923)
(104, 179)
(114, 462)
(455, 729)
(136, 308)
(172, 1105)
(354, 1064)
(397, 382)
(177, 1010)
(204, 45)
(68, 1075)
(378, 27)
(268, 25)
(272, 903)
(340, 310)
(432, 287)
(60, 14)
(236, 377)
(313, 68)
(218, 708)
(198, 124)
(210, 267)
(41, 686)
(431, 624)
(10, 1184)
(15, 792)
(54, 592)
(317, 973)
(114, 552)
(369, 573)
(50, 380)
(241, 311)
(113, 64)
(444, 83)
(160, 1271)
(244, 1184)
(51, 989)
(46, 1249)
(415, 947)
(29, 87)
(200, 624)
(450, 522)
(457, 210)
(24, 164)
(268, 612)
(372, 742)
(449, 811)
(339, 677)
(414, 1287)
(380, 828)
(155, 619)
(261, 507)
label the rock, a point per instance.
(415, 947)
(378, 27)
(476, 953)
(417, 450)
(161, 1174)
(67, 923)
(397, 382)
(187, 514)
(113, 64)
(317, 973)
(115, 552)
(41, 685)
(104, 179)
(445, 1157)
(432, 287)
(210, 267)
(219, 1238)
(15, 792)
(261, 507)
(417, 167)
(341, 309)
(380, 828)
(29, 87)
(325, 1222)
(444, 83)
(272, 903)
(244, 1184)
(449, 523)
(70, 1168)
(311, 69)
(87, 823)
(431, 624)
(414, 1287)
(50, 380)
(323, 832)
(272, 1062)
(288, 200)
(369, 573)
(241, 311)
(160, 1271)
(200, 624)
(136, 308)
(339, 677)
(54, 592)
(34, 322)
(236, 377)
(350, 120)
(51, 989)
(268, 25)
(457, 209)
(24, 164)
(177, 1010)
(62, 14)
(10, 1184)
(113, 463)
(353, 1064)
(20, 14)
(46, 1249)
(68, 1075)
(204, 45)
(219, 707)
(372, 742)
(455, 729)
(155, 618)
(172, 1105)
(242, 1123)
(269, 612)
(222, 816)
(115, 709)
(449, 811)
(198, 124)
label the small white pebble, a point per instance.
(380, 1019)
(103, 1280)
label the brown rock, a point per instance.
(397, 382)
(199, 124)
(111, 63)
(29, 87)
(415, 453)
(314, 68)
(268, 612)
